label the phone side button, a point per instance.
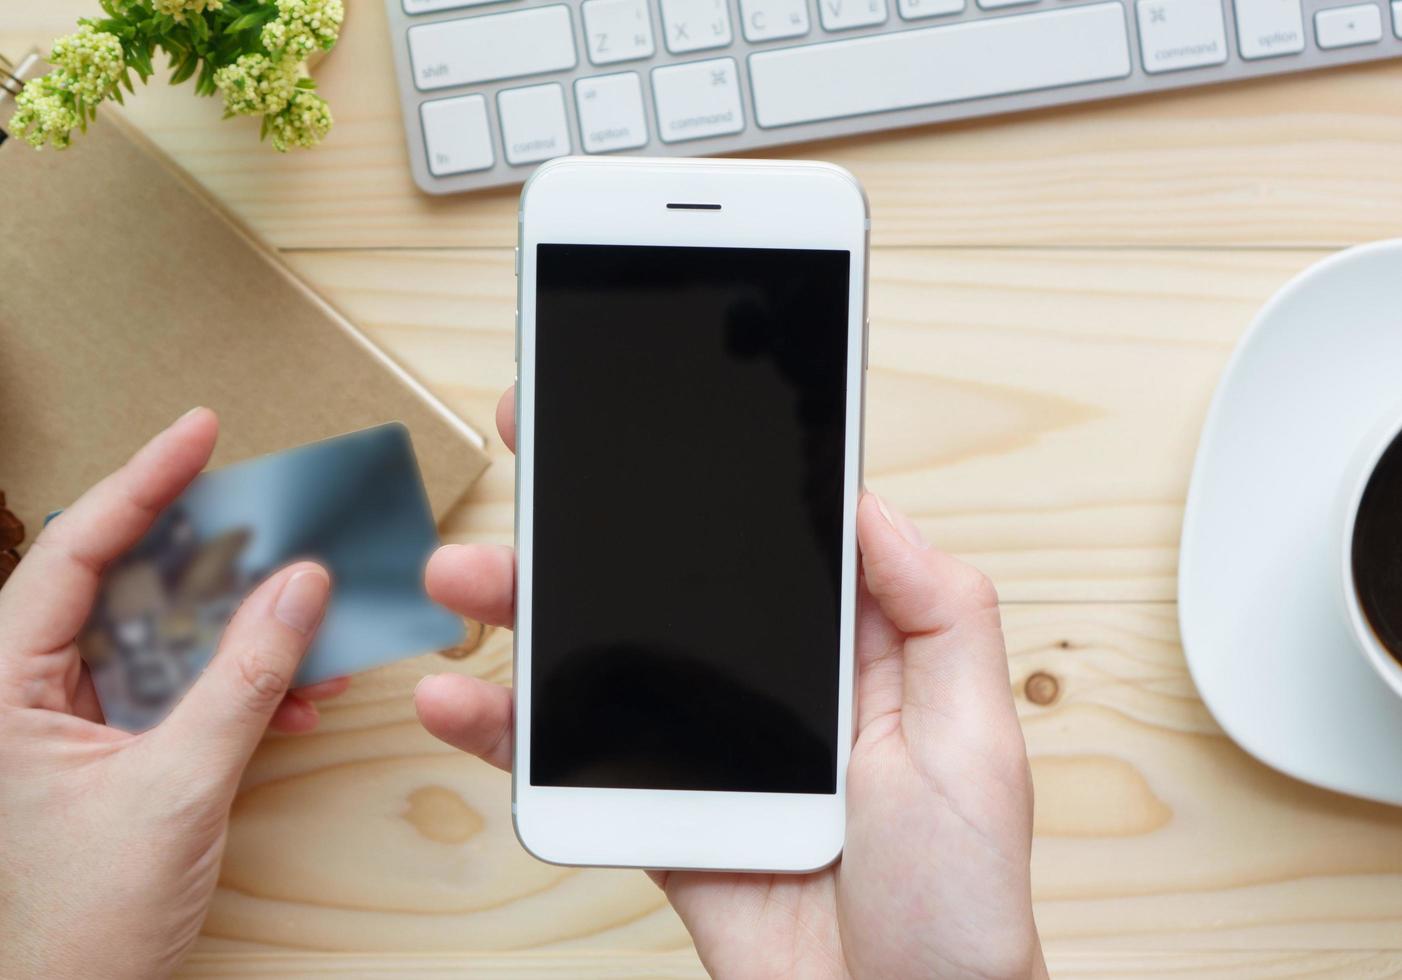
(866, 342)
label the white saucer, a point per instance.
(1263, 628)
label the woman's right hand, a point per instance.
(934, 879)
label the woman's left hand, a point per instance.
(110, 842)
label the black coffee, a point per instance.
(1377, 550)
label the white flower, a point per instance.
(269, 80)
(282, 43)
(314, 21)
(178, 8)
(87, 66)
(257, 84)
(89, 63)
(304, 123)
(44, 114)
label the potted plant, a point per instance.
(252, 52)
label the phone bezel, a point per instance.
(623, 201)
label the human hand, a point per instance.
(110, 842)
(934, 879)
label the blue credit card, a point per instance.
(355, 504)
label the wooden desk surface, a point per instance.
(1053, 298)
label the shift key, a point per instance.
(483, 49)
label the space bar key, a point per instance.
(940, 64)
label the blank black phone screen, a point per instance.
(690, 435)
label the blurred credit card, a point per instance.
(355, 504)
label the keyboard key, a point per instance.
(429, 6)
(456, 135)
(842, 15)
(1179, 34)
(697, 100)
(484, 49)
(695, 25)
(995, 4)
(1397, 17)
(1343, 27)
(611, 112)
(533, 123)
(1269, 28)
(617, 30)
(766, 20)
(934, 65)
(916, 9)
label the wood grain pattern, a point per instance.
(1035, 410)
(1053, 300)
(1275, 964)
(1272, 964)
(1154, 832)
(1296, 161)
(372, 836)
(578, 966)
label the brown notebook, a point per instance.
(127, 295)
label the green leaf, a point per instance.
(255, 19)
(227, 51)
(140, 59)
(185, 68)
(205, 85)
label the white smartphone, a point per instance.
(691, 348)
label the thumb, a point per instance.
(954, 660)
(221, 719)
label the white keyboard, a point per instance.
(493, 87)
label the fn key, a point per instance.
(456, 135)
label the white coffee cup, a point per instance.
(1357, 477)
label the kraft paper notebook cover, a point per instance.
(127, 295)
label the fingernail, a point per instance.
(303, 599)
(422, 681)
(902, 525)
(881, 506)
(187, 415)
